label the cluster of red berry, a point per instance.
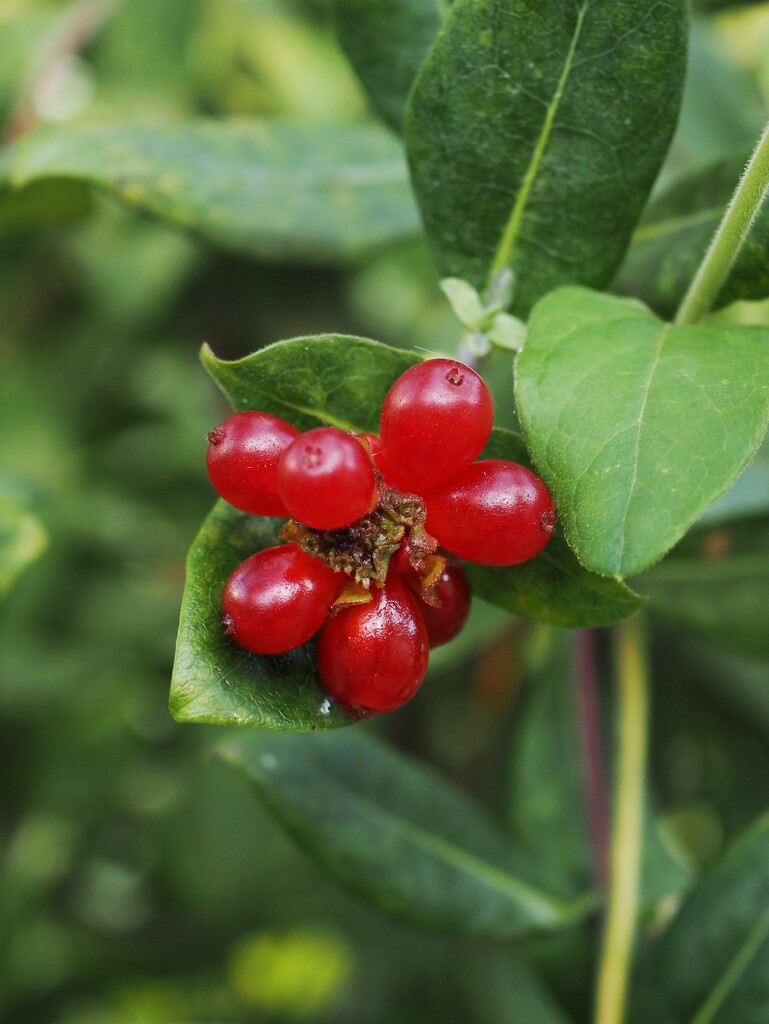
(362, 566)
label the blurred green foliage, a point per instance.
(139, 881)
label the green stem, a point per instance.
(728, 239)
(626, 843)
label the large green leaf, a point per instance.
(386, 42)
(716, 583)
(712, 965)
(276, 190)
(400, 836)
(534, 133)
(674, 234)
(637, 426)
(213, 679)
(553, 587)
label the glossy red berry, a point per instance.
(452, 590)
(436, 419)
(375, 449)
(374, 656)
(278, 598)
(494, 512)
(326, 479)
(242, 461)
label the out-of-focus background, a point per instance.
(139, 881)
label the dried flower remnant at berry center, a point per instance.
(363, 549)
(455, 377)
(312, 456)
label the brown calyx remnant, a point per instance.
(363, 549)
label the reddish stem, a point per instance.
(592, 753)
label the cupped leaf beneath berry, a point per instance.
(332, 379)
(553, 587)
(539, 129)
(712, 965)
(271, 189)
(636, 425)
(674, 234)
(400, 836)
(216, 681)
(386, 42)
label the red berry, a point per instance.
(374, 656)
(436, 419)
(242, 461)
(277, 599)
(453, 592)
(326, 479)
(495, 513)
(400, 560)
(374, 445)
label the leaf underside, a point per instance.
(271, 189)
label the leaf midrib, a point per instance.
(664, 333)
(542, 907)
(513, 226)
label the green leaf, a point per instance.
(275, 190)
(637, 426)
(548, 808)
(549, 802)
(716, 584)
(329, 378)
(213, 679)
(386, 42)
(22, 540)
(712, 965)
(553, 587)
(400, 836)
(674, 234)
(541, 133)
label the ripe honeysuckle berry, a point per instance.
(242, 461)
(375, 449)
(326, 479)
(494, 512)
(448, 613)
(373, 657)
(278, 598)
(436, 419)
